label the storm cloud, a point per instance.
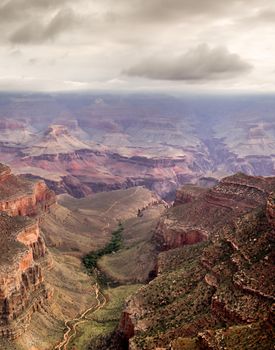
(200, 63)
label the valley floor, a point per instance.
(81, 310)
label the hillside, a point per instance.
(217, 293)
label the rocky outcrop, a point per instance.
(19, 196)
(270, 209)
(225, 281)
(205, 211)
(23, 254)
(171, 236)
(22, 288)
(188, 193)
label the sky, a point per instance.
(137, 45)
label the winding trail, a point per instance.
(116, 202)
(72, 324)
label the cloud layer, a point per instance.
(37, 32)
(200, 63)
(134, 44)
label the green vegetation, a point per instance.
(90, 260)
(137, 258)
(101, 325)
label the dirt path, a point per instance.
(116, 202)
(72, 324)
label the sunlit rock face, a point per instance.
(22, 251)
(19, 196)
(22, 288)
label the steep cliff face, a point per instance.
(22, 288)
(205, 211)
(22, 251)
(99, 169)
(19, 196)
(224, 281)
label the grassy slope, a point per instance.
(137, 258)
(78, 226)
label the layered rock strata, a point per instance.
(219, 293)
(22, 288)
(19, 196)
(205, 212)
(22, 251)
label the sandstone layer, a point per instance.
(22, 251)
(19, 196)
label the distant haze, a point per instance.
(140, 45)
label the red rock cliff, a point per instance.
(22, 288)
(197, 214)
(22, 251)
(19, 196)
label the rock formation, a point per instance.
(188, 193)
(205, 212)
(106, 143)
(19, 196)
(22, 251)
(218, 293)
(270, 209)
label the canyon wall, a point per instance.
(19, 196)
(226, 280)
(198, 213)
(188, 193)
(23, 254)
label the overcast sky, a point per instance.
(171, 45)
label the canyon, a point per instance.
(91, 143)
(189, 183)
(208, 260)
(44, 285)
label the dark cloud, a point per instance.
(14, 10)
(166, 10)
(36, 32)
(63, 20)
(200, 63)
